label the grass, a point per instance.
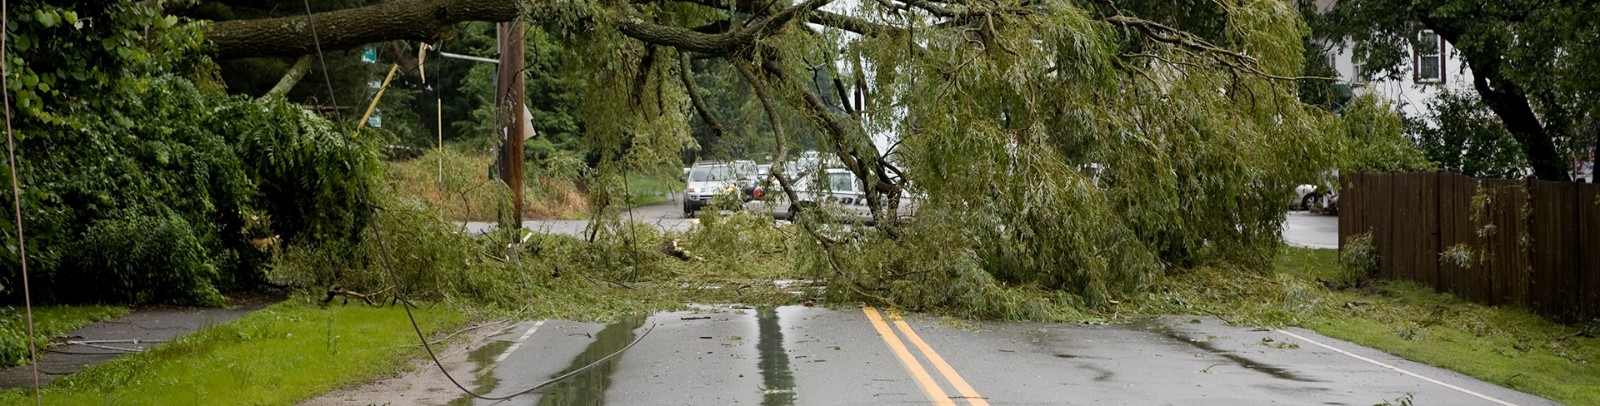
(469, 195)
(49, 322)
(280, 355)
(647, 190)
(1505, 345)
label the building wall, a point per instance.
(1412, 97)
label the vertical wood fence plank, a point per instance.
(1552, 256)
(1382, 232)
(1588, 202)
(1449, 221)
(1426, 233)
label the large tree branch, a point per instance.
(290, 78)
(686, 72)
(724, 44)
(852, 24)
(418, 20)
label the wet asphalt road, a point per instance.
(816, 356)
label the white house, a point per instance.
(1434, 66)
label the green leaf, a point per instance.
(46, 18)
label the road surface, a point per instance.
(863, 356)
(667, 216)
(1302, 229)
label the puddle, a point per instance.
(483, 357)
(1247, 363)
(776, 378)
(589, 387)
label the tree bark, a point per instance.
(290, 78)
(416, 20)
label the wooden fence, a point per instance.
(1519, 242)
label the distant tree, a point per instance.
(1532, 61)
(1461, 134)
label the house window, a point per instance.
(1429, 58)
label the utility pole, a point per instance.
(509, 96)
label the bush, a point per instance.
(1358, 257)
(159, 202)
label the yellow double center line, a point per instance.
(924, 380)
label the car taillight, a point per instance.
(756, 193)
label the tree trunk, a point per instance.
(416, 20)
(1507, 100)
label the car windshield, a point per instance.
(841, 182)
(712, 173)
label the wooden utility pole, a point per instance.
(509, 95)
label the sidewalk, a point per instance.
(139, 330)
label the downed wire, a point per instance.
(401, 293)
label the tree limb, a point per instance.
(416, 20)
(290, 78)
(686, 72)
(852, 24)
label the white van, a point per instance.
(710, 179)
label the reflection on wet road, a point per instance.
(797, 355)
(778, 382)
(589, 387)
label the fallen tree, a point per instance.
(1064, 150)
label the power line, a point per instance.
(401, 291)
(16, 194)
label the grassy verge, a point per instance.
(280, 355)
(647, 191)
(1504, 345)
(49, 322)
(467, 194)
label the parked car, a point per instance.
(835, 191)
(709, 179)
(1309, 197)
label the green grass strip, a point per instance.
(1508, 346)
(280, 355)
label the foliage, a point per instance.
(1054, 162)
(553, 87)
(146, 187)
(49, 322)
(1376, 143)
(1358, 258)
(1463, 135)
(311, 179)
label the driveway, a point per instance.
(1302, 229)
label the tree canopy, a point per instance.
(1071, 150)
(1531, 61)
